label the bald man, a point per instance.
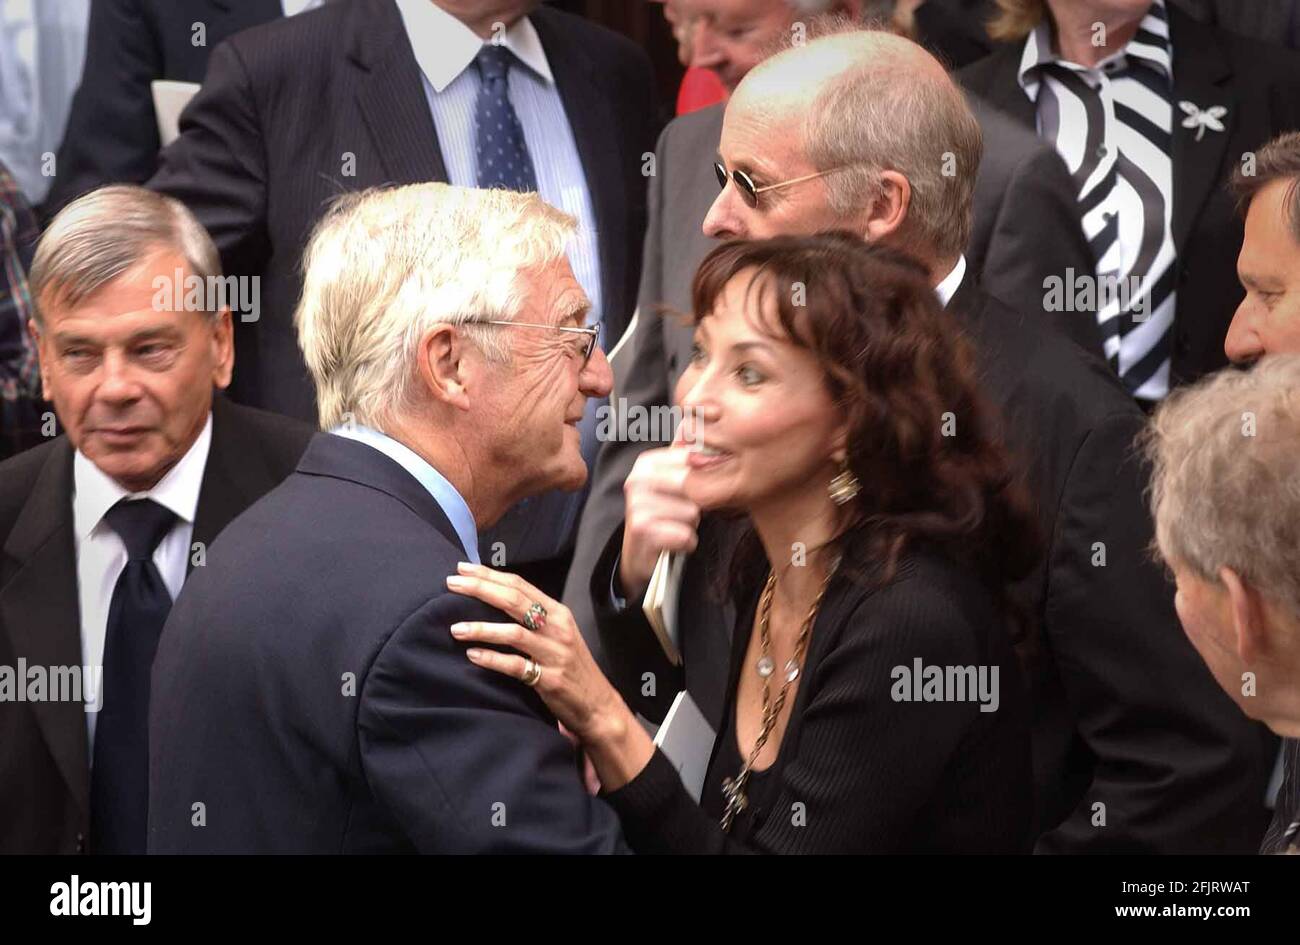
(1136, 748)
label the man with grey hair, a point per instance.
(1226, 501)
(101, 526)
(853, 131)
(309, 695)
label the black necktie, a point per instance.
(119, 780)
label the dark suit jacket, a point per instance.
(263, 144)
(307, 690)
(1025, 228)
(44, 763)
(955, 30)
(112, 131)
(873, 774)
(1125, 713)
(1274, 21)
(1283, 836)
(1259, 85)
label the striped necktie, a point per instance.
(1124, 180)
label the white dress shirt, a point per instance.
(292, 7)
(101, 555)
(951, 282)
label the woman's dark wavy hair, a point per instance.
(922, 441)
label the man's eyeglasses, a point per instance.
(749, 191)
(589, 345)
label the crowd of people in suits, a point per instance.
(982, 321)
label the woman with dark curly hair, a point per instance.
(836, 439)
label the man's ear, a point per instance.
(43, 356)
(1249, 620)
(887, 213)
(444, 366)
(223, 349)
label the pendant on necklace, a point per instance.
(791, 671)
(765, 666)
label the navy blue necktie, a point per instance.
(119, 778)
(503, 159)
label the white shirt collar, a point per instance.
(445, 47)
(948, 287)
(294, 7)
(94, 492)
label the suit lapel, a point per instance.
(1201, 72)
(591, 119)
(40, 610)
(390, 94)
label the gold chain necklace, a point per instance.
(734, 789)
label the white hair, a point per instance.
(1225, 488)
(386, 265)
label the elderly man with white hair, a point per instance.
(1226, 501)
(310, 697)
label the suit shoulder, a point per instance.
(282, 438)
(289, 42)
(984, 74)
(1045, 369)
(18, 476)
(693, 128)
(932, 606)
(599, 40)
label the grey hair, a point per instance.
(1225, 488)
(877, 117)
(102, 235)
(386, 265)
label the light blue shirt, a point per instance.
(443, 492)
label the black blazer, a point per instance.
(1124, 711)
(955, 30)
(44, 763)
(112, 131)
(262, 147)
(1259, 85)
(308, 692)
(857, 770)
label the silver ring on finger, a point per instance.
(532, 673)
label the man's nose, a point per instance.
(117, 382)
(597, 377)
(706, 51)
(722, 222)
(1242, 344)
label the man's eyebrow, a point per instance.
(65, 339)
(1252, 281)
(574, 310)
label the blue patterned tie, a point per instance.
(503, 159)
